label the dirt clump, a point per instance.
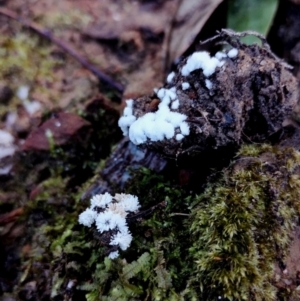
(246, 98)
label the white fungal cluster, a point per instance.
(165, 123)
(202, 60)
(232, 53)
(220, 55)
(208, 84)
(170, 77)
(157, 126)
(185, 86)
(128, 118)
(109, 213)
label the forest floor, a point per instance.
(63, 118)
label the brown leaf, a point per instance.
(130, 16)
(62, 127)
(188, 22)
(139, 27)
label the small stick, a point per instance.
(229, 33)
(48, 35)
(179, 214)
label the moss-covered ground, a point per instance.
(224, 243)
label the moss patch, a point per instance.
(239, 229)
(241, 226)
(155, 267)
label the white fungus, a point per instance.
(113, 255)
(166, 95)
(101, 200)
(87, 217)
(201, 60)
(185, 86)
(125, 122)
(129, 102)
(220, 55)
(127, 111)
(127, 119)
(123, 239)
(166, 123)
(109, 213)
(128, 202)
(232, 53)
(184, 128)
(179, 137)
(156, 129)
(155, 126)
(170, 77)
(175, 104)
(107, 220)
(175, 118)
(161, 93)
(208, 84)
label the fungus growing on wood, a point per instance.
(244, 93)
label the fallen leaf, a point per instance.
(191, 16)
(139, 29)
(132, 16)
(62, 128)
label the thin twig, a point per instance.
(179, 214)
(229, 33)
(48, 35)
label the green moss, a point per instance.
(25, 57)
(155, 267)
(239, 227)
(26, 60)
(242, 225)
(57, 20)
(252, 150)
